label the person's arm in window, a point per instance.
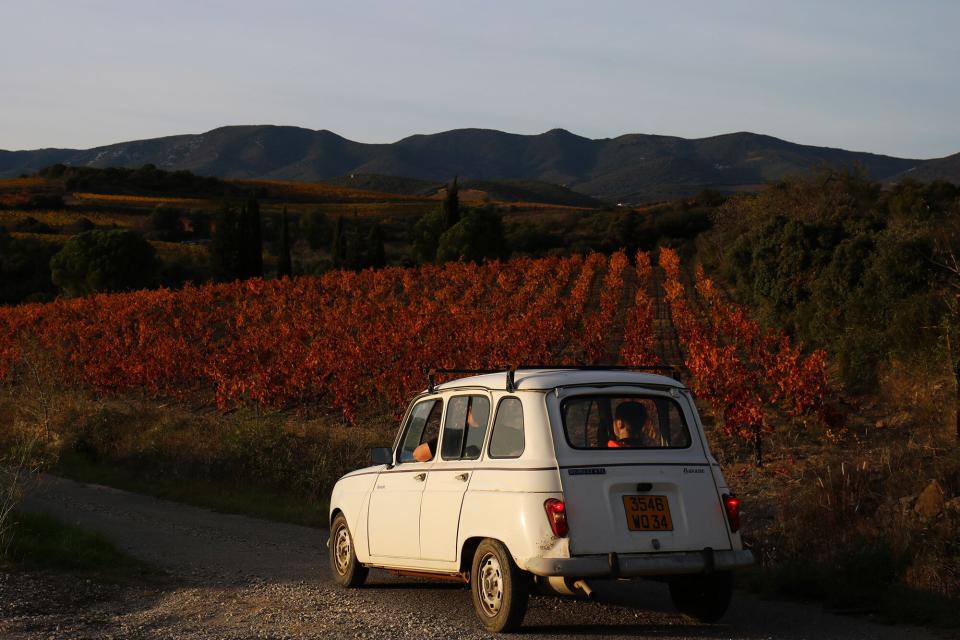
(424, 451)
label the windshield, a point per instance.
(634, 421)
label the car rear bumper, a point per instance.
(638, 565)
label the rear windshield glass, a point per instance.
(624, 422)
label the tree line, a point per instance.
(848, 266)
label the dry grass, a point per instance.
(280, 189)
(19, 184)
(180, 251)
(165, 250)
(834, 514)
(191, 452)
(60, 218)
(52, 238)
(363, 210)
(142, 201)
(18, 191)
(28, 443)
(540, 206)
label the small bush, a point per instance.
(477, 236)
(97, 261)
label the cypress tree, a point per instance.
(226, 246)
(243, 242)
(285, 265)
(354, 254)
(254, 238)
(451, 205)
(337, 245)
(315, 227)
(376, 254)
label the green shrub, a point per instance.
(97, 261)
(843, 266)
(477, 236)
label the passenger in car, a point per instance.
(632, 429)
(427, 450)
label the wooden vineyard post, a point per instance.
(758, 445)
(956, 375)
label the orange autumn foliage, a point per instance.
(346, 340)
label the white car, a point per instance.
(552, 476)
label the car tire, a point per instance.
(346, 569)
(499, 589)
(704, 597)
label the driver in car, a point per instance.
(631, 428)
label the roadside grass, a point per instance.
(864, 519)
(275, 465)
(42, 542)
(217, 495)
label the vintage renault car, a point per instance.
(547, 476)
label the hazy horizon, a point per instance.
(876, 77)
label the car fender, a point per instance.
(351, 496)
(509, 507)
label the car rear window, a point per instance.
(624, 422)
(507, 440)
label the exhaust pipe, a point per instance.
(584, 587)
(560, 586)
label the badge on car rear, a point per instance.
(592, 471)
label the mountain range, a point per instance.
(629, 168)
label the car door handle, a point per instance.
(462, 476)
(420, 477)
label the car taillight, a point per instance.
(731, 504)
(557, 516)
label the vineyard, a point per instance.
(349, 341)
(257, 395)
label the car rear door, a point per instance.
(461, 444)
(636, 495)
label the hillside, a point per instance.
(530, 191)
(498, 190)
(947, 169)
(385, 184)
(628, 168)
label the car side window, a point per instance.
(507, 440)
(465, 427)
(423, 425)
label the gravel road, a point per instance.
(238, 577)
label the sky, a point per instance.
(867, 76)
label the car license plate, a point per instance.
(648, 513)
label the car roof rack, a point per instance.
(432, 374)
(512, 370)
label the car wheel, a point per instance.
(347, 570)
(498, 587)
(704, 597)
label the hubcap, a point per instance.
(341, 550)
(490, 584)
